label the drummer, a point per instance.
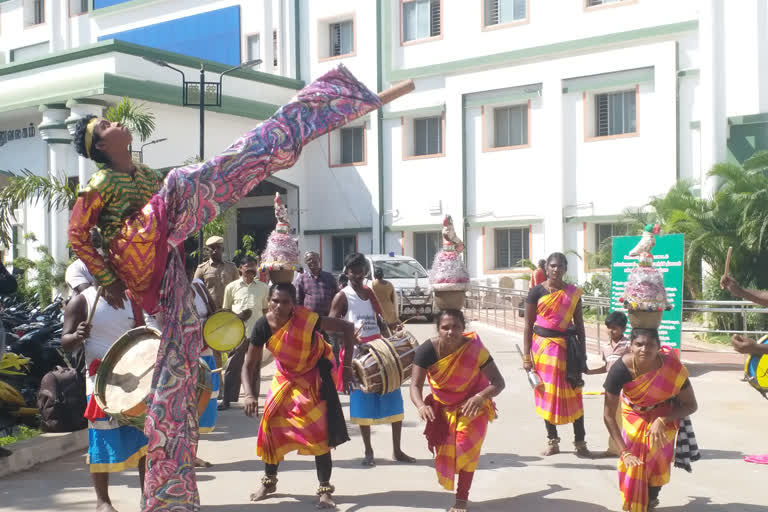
(302, 410)
(111, 447)
(743, 344)
(357, 304)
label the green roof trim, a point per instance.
(113, 45)
(110, 84)
(339, 231)
(503, 96)
(500, 223)
(415, 112)
(414, 227)
(626, 78)
(514, 57)
(750, 119)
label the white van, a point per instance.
(411, 282)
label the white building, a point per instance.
(534, 123)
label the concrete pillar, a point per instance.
(54, 131)
(552, 106)
(267, 38)
(714, 121)
(80, 108)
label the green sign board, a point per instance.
(668, 258)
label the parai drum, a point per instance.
(756, 370)
(223, 331)
(124, 379)
(382, 365)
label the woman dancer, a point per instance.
(555, 346)
(651, 387)
(302, 411)
(463, 379)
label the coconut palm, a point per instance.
(56, 192)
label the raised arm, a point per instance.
(733, 286)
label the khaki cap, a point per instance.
(214, 240)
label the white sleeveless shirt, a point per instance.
(361, 313)
(108, 325)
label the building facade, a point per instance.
(534, 123)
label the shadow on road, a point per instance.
(504, 460)
(397, 500)
(697, 370)
(705, 505)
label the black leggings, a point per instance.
(578, 430)
(653, 493)
(323, 464)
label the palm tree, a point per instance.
(56, 192)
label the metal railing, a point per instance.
(505, 308)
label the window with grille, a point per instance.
(421, 19)
(78, 7)
(428, 136)
(510, 126)
(615, 113)
(275, 48)
(511, 247)
(595, 3)
(253, 44)
(342, 247)
(425, 246)
(605, 231)
(34, 12)
(341, 38)
(352, 145)
(499, 12)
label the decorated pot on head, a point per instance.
(449, 278)
(645, 297)
(281, 256)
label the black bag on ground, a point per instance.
(61, 400)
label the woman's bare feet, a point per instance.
(105, 506)
(401, 456)
(325, 501)
(459, 506)
(266, 488)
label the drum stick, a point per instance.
(397, 90)
(218, 370)
(99, 293)
(728, 261)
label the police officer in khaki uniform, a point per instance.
(215, 272)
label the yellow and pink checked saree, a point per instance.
(642, 401)
(295, 415)
(456, 439)
(557, 402)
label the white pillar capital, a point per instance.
(53, 129)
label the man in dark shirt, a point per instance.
(315, 289)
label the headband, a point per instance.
(89, 135)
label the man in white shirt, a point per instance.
(247, 298)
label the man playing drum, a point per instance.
(745, 345)
(357, 304)
(302, 410)
(111, 447)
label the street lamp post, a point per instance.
(138, 156)
(205, 90)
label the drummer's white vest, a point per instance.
(361, 312)
(108, 325)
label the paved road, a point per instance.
(511, 475)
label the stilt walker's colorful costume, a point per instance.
(138, 243)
